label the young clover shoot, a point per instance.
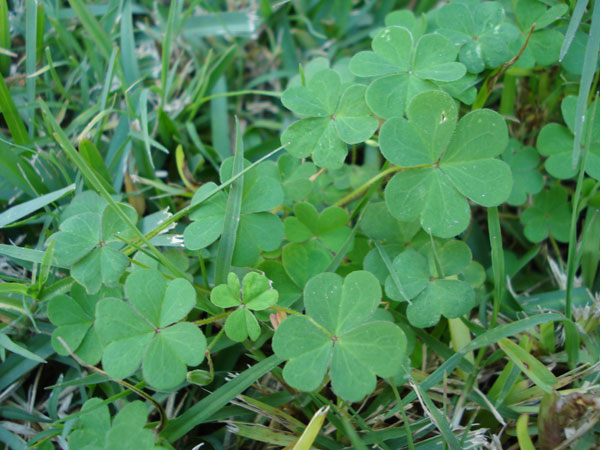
(255, 294)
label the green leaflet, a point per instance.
(338, 333)
(405, 68)
(480, 31)
(334, 116)
(90, 239)
(256, 294)
(148, 330)
(447, 163)
(258, 229)
(549, 214)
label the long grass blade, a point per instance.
(30, 61)
(15, 123)
(17, 212)
(101, 40)
(5, 43)
(572, 28)
(497, 260)
(232, 213)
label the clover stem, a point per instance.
(386, 171)
(161, 412)
(213, 342)
(212, 319)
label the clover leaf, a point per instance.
(74, 319)
(148, 330)
(523, 162)
(549, 214)
(338, 333)
(480, 31)
(329, 227)
(333, 117)
(433, 294)
(95, 431)
(445, 162)
(87, 241)
(556, 142)
(256, 294)
(258, 229)
(405, 68)
(544, 44)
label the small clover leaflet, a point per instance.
(430, 293)
(480, 31)
(256, 294)
(339, 334)
(329, 227)
(544, 44)
(74, 319)
(549, 214)
(446, 162)
(523, 162)
(148, 330)
(405, 68)
(258, 229)
(87, 241)
(333, 117)
(304, 260)
(295, 176)
(95, 432)
(556, 142)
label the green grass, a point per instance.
(142, 102)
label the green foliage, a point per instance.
(149, 330)
(338, 334)
(333, 118)
(127, 430)
(248, 216)
(404, 67)
(449, 163)
(90, 237)
(256, 294)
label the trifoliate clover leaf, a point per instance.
(430, 293)
(329, 227)
(148, 330)
(549, 214)
(445, 162)
(339, 334)
(523, 162)
(332, 118)
(480, 31)
(88, 241)
(256, 294)
(406, 67)
(74, 318)
(544, 45)
(95, 431)
(258, 229)
(556, 142)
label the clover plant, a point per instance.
(444, 161)
(88, 241)
(255, 294)
(337, 333)
(149, 330)
(397, 184)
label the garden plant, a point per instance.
(301, 224)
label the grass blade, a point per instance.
(11, 115)
(30, 61)
(572, 28)
(129, 61)
(17, 349)
(219, 121)
(202, 411)
(232, 212)
(174, 14)
(19, 211)
(90, 23)
(497, 260)
(529, 365)
(587, 76)
(4, 38)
